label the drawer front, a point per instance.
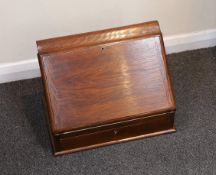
(140, 128)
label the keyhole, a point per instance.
(115, 132)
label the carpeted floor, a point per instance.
(25, 148)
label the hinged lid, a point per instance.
(106, 76)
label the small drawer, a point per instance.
(120, 132)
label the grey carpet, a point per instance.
(25, 148)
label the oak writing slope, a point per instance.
(106, 87)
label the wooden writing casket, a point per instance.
(106, 87)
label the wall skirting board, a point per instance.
(177, 43)
(19, 70)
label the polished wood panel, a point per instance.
(98, 37)
(113, 82)
(117, 133)
(100, 83)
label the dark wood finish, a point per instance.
(106, 87)
(98, 37)
(117, 133)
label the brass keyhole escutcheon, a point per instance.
(115, 132)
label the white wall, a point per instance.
(22, 22)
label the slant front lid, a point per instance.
(106, 83)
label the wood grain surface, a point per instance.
(105, 78)
(98, 37)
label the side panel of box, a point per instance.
(115, 133)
